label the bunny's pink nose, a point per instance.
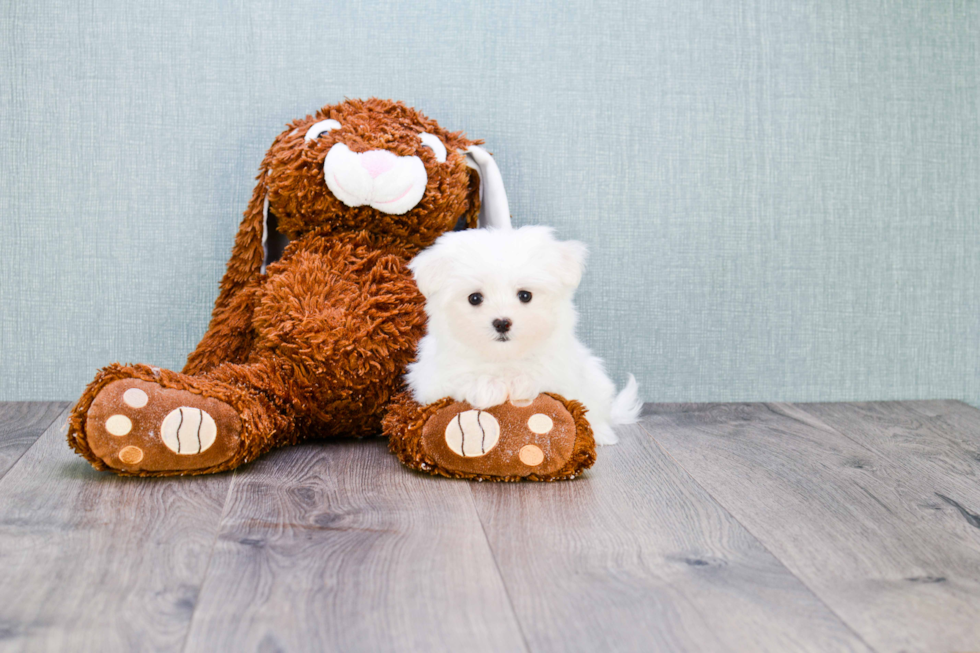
(378, 162)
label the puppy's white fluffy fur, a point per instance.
(465, 357)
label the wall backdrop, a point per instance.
(782, 200)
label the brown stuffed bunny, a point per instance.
(315, 344)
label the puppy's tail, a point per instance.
(627, 405)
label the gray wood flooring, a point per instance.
(721, 527)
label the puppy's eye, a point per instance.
(524, 296)
(476, 299)
(321, 128)
(433, 143)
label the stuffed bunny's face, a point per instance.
(373, 165)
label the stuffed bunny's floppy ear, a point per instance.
(265, 234)
(494, 211)
(248, 253)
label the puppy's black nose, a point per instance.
(502, 325)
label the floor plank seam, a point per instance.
(500, 575)
(722, 506)
(872, 450)
(63, 414)
(830, 429)
(207, 567)
(971, 518)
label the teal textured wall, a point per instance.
(782, 199)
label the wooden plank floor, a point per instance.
(725, 527)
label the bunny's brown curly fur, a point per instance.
(316, 344)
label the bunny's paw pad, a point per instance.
(139, 426)
(531, 439)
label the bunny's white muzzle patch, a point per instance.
(389, 183)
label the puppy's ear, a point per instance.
(571, 262)
(431, 268)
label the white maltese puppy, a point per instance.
(502, 326)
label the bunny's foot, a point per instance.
(546, 439)
(143, 421)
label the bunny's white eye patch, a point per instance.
(433, 143)
(321, 127)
